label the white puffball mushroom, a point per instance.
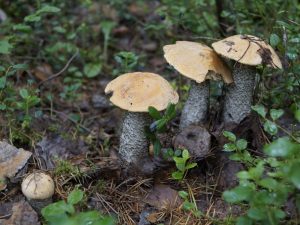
(38, 189)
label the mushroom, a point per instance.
(248, 51)
(135, 92)
(199, 63)
(38, 189)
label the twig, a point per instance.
(60, 72)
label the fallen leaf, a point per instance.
(22, 214)
(42, 72)
(163, 197)
(56, 147)
(12, 160)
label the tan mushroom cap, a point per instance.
(247, 49)
(137, 91)
(196, 61)
(38, 186)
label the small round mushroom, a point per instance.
(38, 189)
(135, 92)
(248, 51)
(199, 63)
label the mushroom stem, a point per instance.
(134, 145)
(196, 106)
(238, 97)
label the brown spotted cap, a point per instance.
(196, 61)
(247, 49)
(137, 91)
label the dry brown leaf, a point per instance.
(43, 71)
(163, 197)
(22, 214)
(11, 161)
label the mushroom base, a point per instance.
(238, 99)
(39, 204)
(195, 108)
(134, 145)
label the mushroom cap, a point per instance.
(196, 61)
(247, 49)
(38, 186)
(137, 91)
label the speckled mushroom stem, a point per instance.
(134, 145)
(196, 107)
(238, 99)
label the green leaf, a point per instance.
(241, 144)
(188, 206)
(160, 125)
(237, 194)
(183, 194)
(294, 174)
(92, 69)
(297, 114)
(170, 111)
(276, 113)
(229, 135)
(244, 220)
(230, 147)
(274, 40)
(279, 214)
(260, 109)
(262, 196)
(270, 127)
(156, 147)
(48, 9)
(185, 154)
(32, 18)
(106, 27)
(2, 82)
(190, 166)
(256, 172)
(154, 113)
(180, 163)
(282, 147)
(256, 214)
(243, 175)
(3, 107)
(75, 196)
(22, 66)
(57, 209)
(24, 93)
(268, 183)
(177, 175)
(22, 27)
(5, 47)
(92, 218)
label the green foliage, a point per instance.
(159, 125)
(182, 164)
(65, 213)
(270, 126)
(127, 62)
(267, 183)
(64, 167)
(238, 148)
(189, 205)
